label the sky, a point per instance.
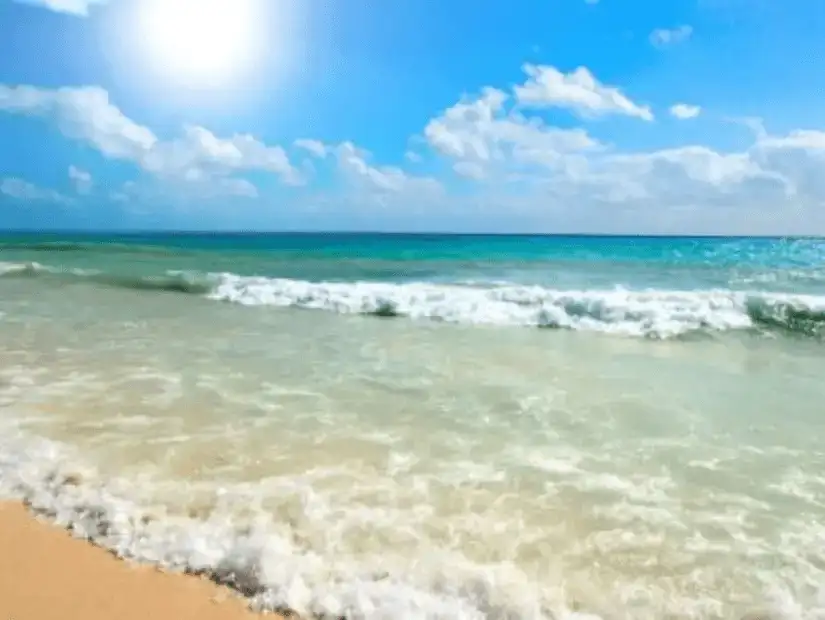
(537, 116)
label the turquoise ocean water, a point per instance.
(428, 427)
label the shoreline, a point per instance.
(46, 574)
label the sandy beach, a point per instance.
(46, 574)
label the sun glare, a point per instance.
(204, 43)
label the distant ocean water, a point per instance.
(430, 426)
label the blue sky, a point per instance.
(631, 116)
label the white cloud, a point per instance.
(684, 111)
(799, 158)
(352, 161)
(469, 170)
(568, 178)
(482, 135)
(84, 114)
(684, 176)
(72, 7)
(501, 162)
(200, 153)
(578, 91)
(82, 180)
(87, 115)
(664, 37)
(20, 189)
(804, 139)
(315, 147)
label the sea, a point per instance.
(428, 427)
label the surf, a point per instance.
(648, 313)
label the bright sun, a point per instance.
(202, 43)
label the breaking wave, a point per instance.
(173, 281)
(650, 313)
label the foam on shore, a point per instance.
(46, 574)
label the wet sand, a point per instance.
(45, 574)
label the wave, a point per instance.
(642, 313)
(21, 269)
(783, 276)
(652, 313)
(172, 281)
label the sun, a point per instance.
(202, 43)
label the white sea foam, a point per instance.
(651, 313)
(269, 564)
(34, 268)
(261, 559)
(654, 313)
(7, 268)
(304, 562)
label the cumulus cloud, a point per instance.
(484, 136)
(664, 37)
(773, 186)
(314, 147)
(578, 91)
(682, 177)
(496, 154)
(19, 189)
(86, 114)
(799, 158)
(199, 153)
(81, 179)
(352, 161)
(684, 111)
(71, 7)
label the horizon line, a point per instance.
(302, 232)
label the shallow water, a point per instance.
(658, 458)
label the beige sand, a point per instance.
(45, 574)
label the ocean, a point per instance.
(430, 426)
